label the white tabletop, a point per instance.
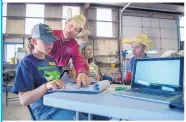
(107, 104)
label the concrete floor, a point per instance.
(14, 111)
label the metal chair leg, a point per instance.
(31, 112)
(6, 93)
(77, 116)
(90, 117)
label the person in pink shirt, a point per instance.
(67, 47)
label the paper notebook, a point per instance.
(96, 87)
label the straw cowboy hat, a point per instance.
(80, 21)
(142, 39)
(84, 32)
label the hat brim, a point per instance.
(83, 32)
(127, 41)
(49, 38)
(148, 43)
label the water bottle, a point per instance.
(127, 72)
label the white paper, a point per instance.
(97, 87)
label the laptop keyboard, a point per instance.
(149, 95)
(152, 92)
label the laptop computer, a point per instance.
(156, 79)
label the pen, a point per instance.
(120, 88)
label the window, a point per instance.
(4, 24)
(182, 28)
(104, 29)
(181, 21)
(4, 18)
(75, 11)
(10, 51)
(106, 12)
(30, 22)
(4, 9)
(36, 11)
(182, 33)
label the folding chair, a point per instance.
(31, 112)
(8, 78)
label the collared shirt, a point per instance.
(62, 51)
(132, 60)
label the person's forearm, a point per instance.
(29, 97)
(97, 78)
(79, 62)
(74, 74)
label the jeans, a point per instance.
(64, 114)
(98, 117)
(105, 77)
(51, 113)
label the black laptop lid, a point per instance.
(159, 73)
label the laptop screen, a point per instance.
(159, 73)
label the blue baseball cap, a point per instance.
(43, 32)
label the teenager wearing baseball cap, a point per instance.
(37, 73)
